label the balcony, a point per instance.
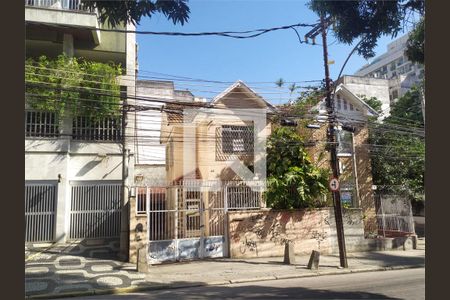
(73, 5)
(65, 16)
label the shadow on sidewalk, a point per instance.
(245, 292)
(388, 259)
(77, 283)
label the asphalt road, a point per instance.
(398, 284)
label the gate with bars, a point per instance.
(394, 215)
(189, 221)
(40, 211)
(95, 210)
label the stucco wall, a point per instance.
(264, 233)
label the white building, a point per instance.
(150, 154)
(73, 165)
(395, 67)
(367, 87)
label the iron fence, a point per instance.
(191, 209)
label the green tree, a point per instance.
(367, 19)
(131, 11)
(398, 148)
(69, 84)
(372, 102)
(416, 43)
(293, 180)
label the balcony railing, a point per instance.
(74, 5)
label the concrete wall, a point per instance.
(138, 231)
(263, 233)
(150, 175)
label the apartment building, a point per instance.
(75, 167)
(394, 66)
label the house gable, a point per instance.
(240, 96)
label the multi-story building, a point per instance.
(74, 173)
(395, 67)
(208, 147)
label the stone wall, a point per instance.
(263, 233)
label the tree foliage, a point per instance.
(355, 20)
(131, 11)
(398, 159)
(416, 43)
(293, 180)
(373, 102)
(69, 84)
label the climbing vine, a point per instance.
(73, 85)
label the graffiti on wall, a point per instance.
(265, 233)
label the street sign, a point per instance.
(334, 184)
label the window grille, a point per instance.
(105, 129)
(41, 124)
(237, 139)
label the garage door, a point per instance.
(40, 207)
(95, 209)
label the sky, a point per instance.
(257, 61)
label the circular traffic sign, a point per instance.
(334, 184)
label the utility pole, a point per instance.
(331, 139)
(124, 224)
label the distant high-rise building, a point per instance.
(394, 66)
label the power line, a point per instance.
(231, 34)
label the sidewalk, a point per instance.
(64, 275)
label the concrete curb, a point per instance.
(224, 282)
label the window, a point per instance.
(237, 139)
(351, 107)
(339, 107)
(392, 68)
(345, 104)
(106, 129)
(345, 144)
(395, 94)
(41, 124)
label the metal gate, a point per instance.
(40, 208)
(394, 215)
(189, 221)
(95, 210)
